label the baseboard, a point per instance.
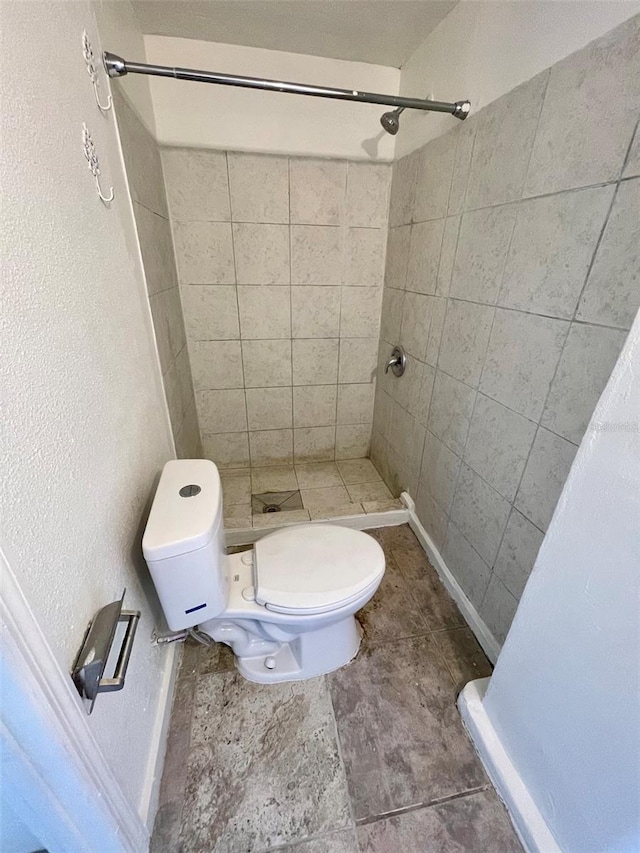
(151, 788)
(362, 521)
(484, 636)
(532, 829)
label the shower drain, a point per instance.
(272, 501)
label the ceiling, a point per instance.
(384, 32)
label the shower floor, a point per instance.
(309, 491)
(372, 758)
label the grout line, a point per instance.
(339, 746)
(466, 186)
(501, 286)
(299, 843)
(290, 238)
(634, 136)
(149, 209)
(438, 801)
(550, 194)
(457, 216)
(457, 134)
(380, 642)
(457, 131)
(484, 394)
(235, 286)
(535, 133)
(475, 400)
(235, 221)
(524, 468)
(516, 310)
(593, 256)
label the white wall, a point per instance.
(207, 116)
(482, 50)
(565, 694)
(84, 428)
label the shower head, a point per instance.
(391, 121)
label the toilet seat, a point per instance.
(315, 568)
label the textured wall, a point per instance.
(84, 428)
(235, 119)
(511, 279)
(281, 263)
(146, 183)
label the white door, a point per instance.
(55, 786)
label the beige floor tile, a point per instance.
(237, 517)
(358, 471)
(318, 475)
(231, 473)
(319, 498)
(236, 490)
(287, 782)
(369, 492)
(340, 511)
(280, 478)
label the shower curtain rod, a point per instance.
(118, 67)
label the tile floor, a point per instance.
(370, 758)
(328, 490)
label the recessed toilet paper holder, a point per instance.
(95, 650)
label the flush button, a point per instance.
(247, 558)
(249, 593)
(190, 491)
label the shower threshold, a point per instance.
(349, 492)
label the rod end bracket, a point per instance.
(114, 65)
(461, 111)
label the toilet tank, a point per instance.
(183, 543)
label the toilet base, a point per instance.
(310, 654)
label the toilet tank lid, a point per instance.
(186, 509)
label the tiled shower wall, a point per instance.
(144, 173)
(281, 265)
(512, 278)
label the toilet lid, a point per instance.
(315, 567)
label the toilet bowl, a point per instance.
(286, 607)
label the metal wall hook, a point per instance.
(89, 58)
(89, 151)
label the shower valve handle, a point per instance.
(397, 363)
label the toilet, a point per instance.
(286, 607)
